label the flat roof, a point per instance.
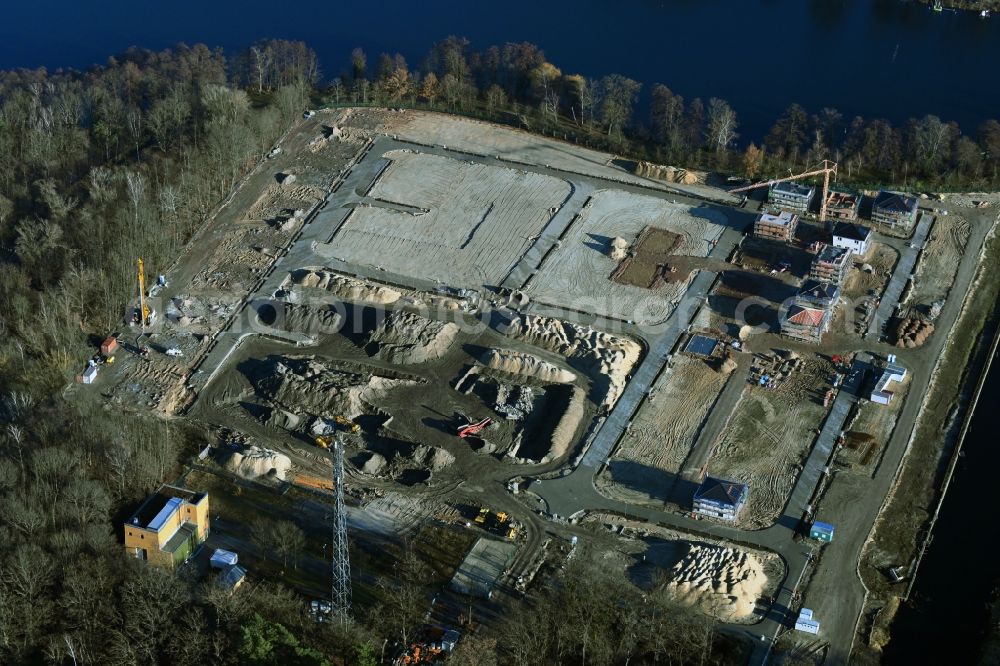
(149, 511)
(784, 218)
(795, 189)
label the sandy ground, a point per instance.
(663, 431)
(577, 273)
(721, 579)
(938, 262)
(479, 220)
(769, 437)
(866, 437)
(483, 138)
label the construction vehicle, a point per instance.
(347, 425)
(498, 523)
(144, 316)
(323, 441)
(826, 169)
(473, 428)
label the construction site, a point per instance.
(518, 344)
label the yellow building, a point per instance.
(167, 527)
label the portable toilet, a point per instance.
(821, 531)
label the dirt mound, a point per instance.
(668, 174)
(305, 383)
(607, 358)
(565, 432)
(375, 464)
(724, 582)
(280, 418)
(618, 248)
(312, 320)
(527, 365)
(349, 289)
(254, 462)
(432, 457)
(913, 332)
(404, 338)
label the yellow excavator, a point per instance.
(344, 424)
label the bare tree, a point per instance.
(721, 124)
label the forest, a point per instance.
(132, 158)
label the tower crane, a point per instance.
(826, 169)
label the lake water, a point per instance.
(949, 616)
(876, 58)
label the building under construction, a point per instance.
(791, 196)
(830, 265)
(780, 227)
(842, 206)
(894, 210)
(810, 314)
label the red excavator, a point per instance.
(473, 428)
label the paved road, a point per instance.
(908, 253)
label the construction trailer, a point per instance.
(779, 227)
(719, 498)
(791, 196)
(894, 209)
(805, 622)
(853, 237)
(843, 206)
(830, 265)
(882, 394)
(821, 531)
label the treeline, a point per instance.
(515, 83)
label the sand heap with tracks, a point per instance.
(303, 383)
(255, 462)
(724, 582)
(346, 288)
(607, 359)
(312, 320)
(404, 337)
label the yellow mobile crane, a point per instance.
(145, 313)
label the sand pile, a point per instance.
(304, 383)
(913, 332)
(618, 249)
(403, 337)
(527, 365)
(254, 462)
(281, 418)
(564, 434)
(725, 582)
(607, 358)
(375, 464)
(432, 457)
(668, 174)
(349, 289)
(312, 320)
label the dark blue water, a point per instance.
(948, 618)
(876, 58)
